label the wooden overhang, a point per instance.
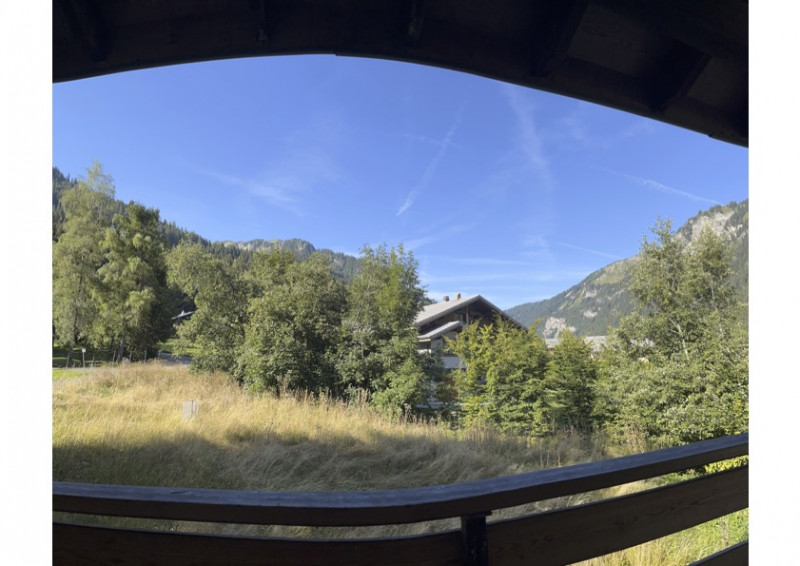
(683, 62)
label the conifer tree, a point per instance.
(131, 308)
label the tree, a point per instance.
(504, 378)
(215, 331)
(570, 383)
(87, 211)
(378, 349)
(292, 333)
(131, 309)
(677, 368)
(61, 184)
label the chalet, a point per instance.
(445, 319)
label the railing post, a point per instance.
(476, 545)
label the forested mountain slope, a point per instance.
(343, 265)
(602, 299)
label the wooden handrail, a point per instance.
(386, 507)
(551, 538)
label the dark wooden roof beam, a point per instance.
(85, 23)
(552, 32)
(263, 24)
(715, 27)
(416, 19)
(743, 121)
(673, 77)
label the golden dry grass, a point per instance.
(126, 426)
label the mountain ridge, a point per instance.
(600, 300)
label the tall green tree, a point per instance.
(215, 331)
(61, 184)
(132, 306)
(292, 334)
(677, 368)
(503, 382)
(378, 347)
(570, 383)
(87, 209)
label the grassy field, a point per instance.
(126, 426)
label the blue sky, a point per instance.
(500, 190)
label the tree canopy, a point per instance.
(677, 368)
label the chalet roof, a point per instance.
(440, 330)
(437, 310)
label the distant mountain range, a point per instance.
(587, 309)
(343, 265)
(602, 299)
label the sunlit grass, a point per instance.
(110, 425)
(684, 547)
(127, 426)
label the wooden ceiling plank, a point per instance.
(716, 27)
(672, 78)
(416, 19)
(86, 25)
(552, 32)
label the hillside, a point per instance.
(602, 299)
(344, 266)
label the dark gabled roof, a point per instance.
(438, 310)
(440, 330)
(683, 62)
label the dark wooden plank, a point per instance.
(83, 545)
(583, 532)
(385, 506)
(673, 77)
(736, 555)
(556, 537)
(716, 27)
(552, 32)
(86, 26)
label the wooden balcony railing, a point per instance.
(556, 537)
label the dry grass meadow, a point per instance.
(127, 426)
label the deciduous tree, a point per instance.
(215, 331)
(292, 333)
(677, 368)
(87, 208)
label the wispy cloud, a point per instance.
(283, 185)
(516, 276)
(656, 186)
(274, 194)
(584, 126)
(531, 142)
(489, 261)
(433, 165)
(416, 243)
(437, 235)
(590, 251)
(536, 245)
